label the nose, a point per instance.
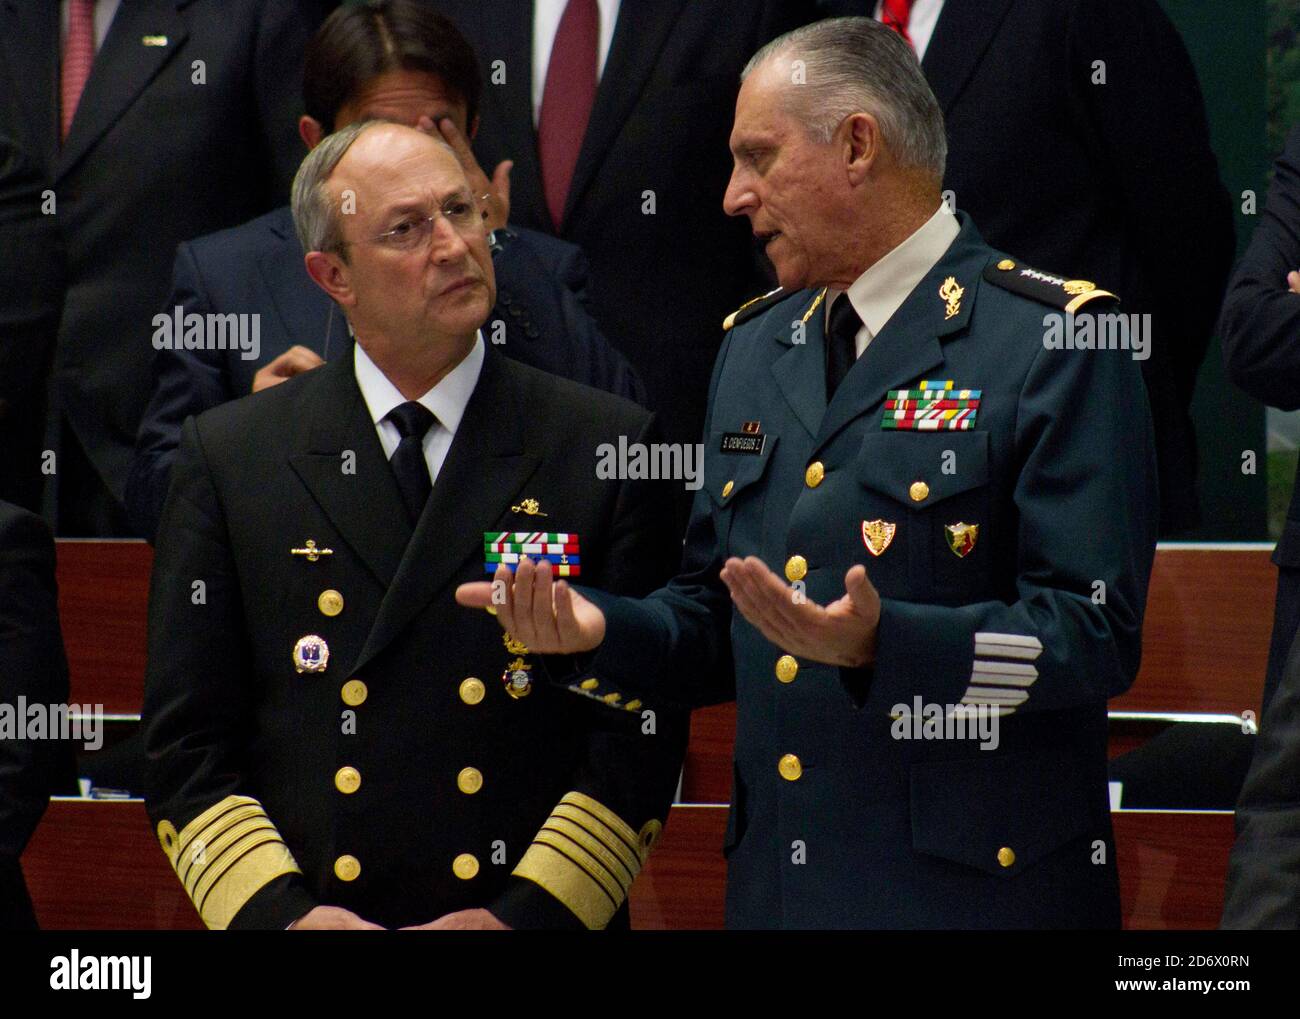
(445, 242)
(739, 198)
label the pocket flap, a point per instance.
(999, 815)
(891, 462)
(726, 475)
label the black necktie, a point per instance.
(409, 466)
(841, 343)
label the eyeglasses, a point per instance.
(463, 211)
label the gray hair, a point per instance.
(315, 216)
(857, 65)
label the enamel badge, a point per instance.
(961, 538)
(877, 534)
(311, 654)
(518, 682)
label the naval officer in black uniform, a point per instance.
(332, 742)
(923, 504)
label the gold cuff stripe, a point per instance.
(247, 876)
(578, 855)
(605, 816)
(628, 861)
(595, 848)
(239, 852)
(216, 859)
(205, 846)
(565, 879)
(215, 817)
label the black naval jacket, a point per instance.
(403, 781)
(1012, 562)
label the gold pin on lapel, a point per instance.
(951, 294)
(311, 551)
(530, 506)
(153, 40)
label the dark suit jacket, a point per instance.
(1098, 180)
(661, 283)
(233, 731)
(152, 159)
(1260, 327)
(540, 319)
(31, 295)
(1263, 891)
(32, 665)
(917, 832)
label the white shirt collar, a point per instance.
(881, 290)
(447, 400)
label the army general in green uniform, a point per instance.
(921, 519)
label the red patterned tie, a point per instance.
(894, 14)
(78, 55)
(567, 99)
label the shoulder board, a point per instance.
(1068, 295)
(754, 306)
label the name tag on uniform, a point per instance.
(739, 442)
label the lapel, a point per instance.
(800, 372)
(964, 31)
(911, 344)
(486, 466)
(122, 69)
(30, 43)
(303, 308)
(366, 506)
(639, 35)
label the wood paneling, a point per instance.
(103, 604)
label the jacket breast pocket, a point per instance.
(934, 488)
(732, 481)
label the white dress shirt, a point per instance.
(104, 11)
(447, 400)
(881, 290)
(920, 23)
(546, 22)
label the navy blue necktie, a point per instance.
(412, 420)
(841, 343)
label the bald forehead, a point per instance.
(390, 151)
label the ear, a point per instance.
(329, 272)
(310, 130)
(861, 145)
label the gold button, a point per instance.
(649, 835)
(726, 489)
(1006, 264)
(796, 568)
(472, 690)
(354, 693)
(347, 868)
(1006, 856)
(590, 684)
(347, 779)
(465, 866)
(791, 768)
(813, 475)
(612, 698)
(330, 602)
(469, 781)
(786, 668)
(919, 491)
